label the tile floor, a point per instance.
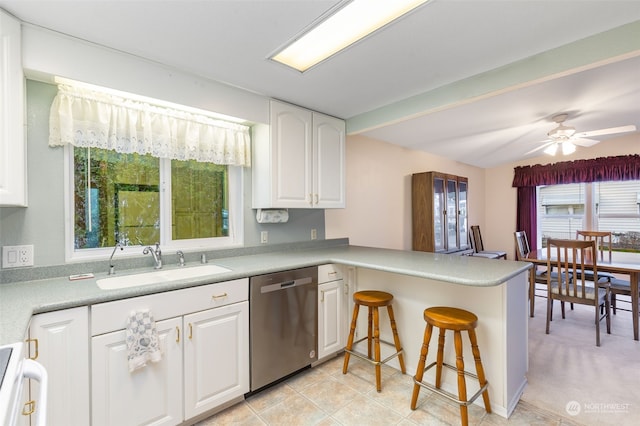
(324, 396)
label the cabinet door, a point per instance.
(291, 155)
(439, 214)
(13, 185)
(462, 213)
(330, 318)
(329, 161)
(452, 242)
(60, 342)
(216, 357)
(151, 395)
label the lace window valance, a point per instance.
(89, 118)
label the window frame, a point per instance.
(236, 221)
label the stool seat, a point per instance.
(373, 300)
(456, 320)
(450, 318)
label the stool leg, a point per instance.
(396, 338)
(462, 385)
(376, 344)
(421, 362)
(479, 369)
(440, 358)
(352, 333)
(369, 332)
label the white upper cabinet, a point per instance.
(299, 160)
(13, 177)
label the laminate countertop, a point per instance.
(20, 300)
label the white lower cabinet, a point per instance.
(332, 310)
(150, 395)
(216, 353)
(205, 356)
(60, 342)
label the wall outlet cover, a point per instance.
(17, 256)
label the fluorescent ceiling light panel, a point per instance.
(354, 21)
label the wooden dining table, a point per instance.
(622, 263)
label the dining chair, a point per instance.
(522, 250)
(602, 238)
(568, 258)
(478, 246)
(603, 243)
(618, 286)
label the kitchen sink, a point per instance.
(159, 276)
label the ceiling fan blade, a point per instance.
(584, 141)
(609, 131)
(541, 147)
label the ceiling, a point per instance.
(474, 81)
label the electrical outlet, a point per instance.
(314, 234)
(264, 237)
(17, 256)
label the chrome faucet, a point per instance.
(112, 269)
(180, 257)
(156, 253)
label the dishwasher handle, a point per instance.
(284, 285)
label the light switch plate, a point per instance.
(17, 256)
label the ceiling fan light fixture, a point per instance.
(341, 27)
(551, 149)
(568, 148)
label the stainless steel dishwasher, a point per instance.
(283, 330)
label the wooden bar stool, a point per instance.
(373, 300)
(457, 320)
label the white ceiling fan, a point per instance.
(566, 138)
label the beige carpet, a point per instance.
(572, 377)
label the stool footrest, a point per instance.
(366, 358)
(449, 395)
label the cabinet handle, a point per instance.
(333, 273)
(322, 295)
(316, 198)
(29, 408)
(190, 331)
(219, 296)
(35, 356)
(177, 334)
(346, 288)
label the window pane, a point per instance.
(561, 211)
(617, 207)
(200, 200)
(116, 198)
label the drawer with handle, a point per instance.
(112, 316)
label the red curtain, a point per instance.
(624, 167)
(526, 178)
(526, 214)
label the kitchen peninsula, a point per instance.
(496, 291)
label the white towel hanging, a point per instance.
(142, 340)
